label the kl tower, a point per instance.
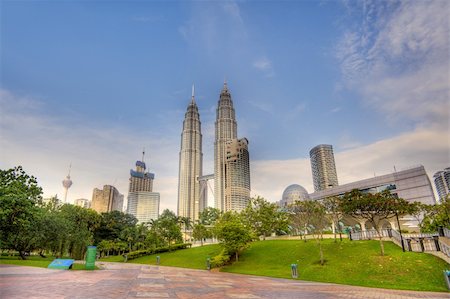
(66, 184)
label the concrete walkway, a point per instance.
(120, 280)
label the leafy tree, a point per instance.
(112, 224)
(167, 227)
(232, 234)
(264, 217)
(373, 208)
(437, 216)
(81, 226)
(298, 219)
(201, 232)
(19, 194)
(312, 217)
(187, 225)
(334, 214)
(422, 213)
(209, 216)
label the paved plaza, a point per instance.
(120, 280)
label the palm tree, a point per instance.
(186, 221)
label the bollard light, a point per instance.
(208, 264)
(157, 259)
(294, 271)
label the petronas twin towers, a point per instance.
(231, 162)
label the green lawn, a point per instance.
(35, 261)
(347, 262)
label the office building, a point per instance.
(411, 184)
(323, 167)
(143, 203)
(237, 183)
(107, 199)
(84, 203)
(190, 165)
(226, 130)
(442, 182)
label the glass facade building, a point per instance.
(323, 167)
(190, 204)
(237, 170)
(442, 182)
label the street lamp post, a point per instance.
(400, 232)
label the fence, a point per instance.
(411, 242)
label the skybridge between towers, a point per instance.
(204, 182)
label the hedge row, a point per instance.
(138, 253)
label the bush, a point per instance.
(138, 253)
(220, 260)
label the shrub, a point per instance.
(220, 260)
(138, 253)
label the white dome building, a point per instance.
(293, 193)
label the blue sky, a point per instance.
(93, 82)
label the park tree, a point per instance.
(312, 216)
(334, 214)
(19, 196)
(264, 217)
(438, 216)
(373, 208)
(209, 216)
(298, 219)
(186, 223)
(167, 227)
(232, 234)
(112, 224)
(81, 225)
(422, 213)
(200, 232)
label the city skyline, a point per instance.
(371, 79)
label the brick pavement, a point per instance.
(128, 281)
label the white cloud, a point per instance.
(397, 59)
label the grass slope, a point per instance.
(194, 258)
(347, 262)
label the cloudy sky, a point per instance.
(92, 83)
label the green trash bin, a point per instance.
(91, 254)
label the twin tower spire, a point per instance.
(231, 162)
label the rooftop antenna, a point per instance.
(193, 92)
(143, 154)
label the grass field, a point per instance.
(347, 262)
(35, 261)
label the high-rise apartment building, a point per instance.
(107, 199)
(323, 167)
(143, 203)
(190, 167)
(237, 182)
(442, 182)
(226, 130)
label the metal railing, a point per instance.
(411, 242)
(445, 249)
(446, 232)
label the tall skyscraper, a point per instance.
(226, 130)
(190, 167)
(237, 188)
(143, 203)
(106, 200)
(442, 182)
(323, 167)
